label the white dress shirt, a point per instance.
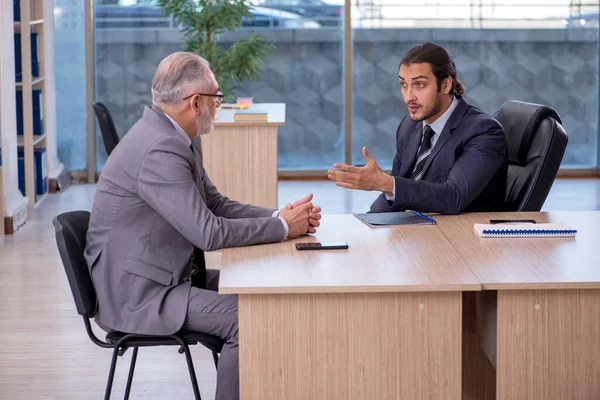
(437, 126)
(180, 130)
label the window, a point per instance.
(545, 51)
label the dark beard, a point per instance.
(435, 107)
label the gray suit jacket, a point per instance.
(153, 205)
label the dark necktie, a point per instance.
(424, 152)
(198, 263)
(198, 269)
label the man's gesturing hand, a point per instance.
(369, 177)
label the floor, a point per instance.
(44, 351)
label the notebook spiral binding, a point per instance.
(529, 231)
(523, 233)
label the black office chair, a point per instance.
(71, 229)
(536, 146)
(107, 127)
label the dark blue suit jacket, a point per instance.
(465, 172)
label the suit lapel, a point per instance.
(198, 169)
(447, 132)
(411, 150)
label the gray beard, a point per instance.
(203, 129)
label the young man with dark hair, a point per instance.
(450, 156)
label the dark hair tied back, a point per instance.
(441, 63)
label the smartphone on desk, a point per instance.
(322, 246)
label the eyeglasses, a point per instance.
(218, 96)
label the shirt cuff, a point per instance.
(393, 196)
(285, 225)
(285, 228)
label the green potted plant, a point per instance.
(202, 21)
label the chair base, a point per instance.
(119, 350)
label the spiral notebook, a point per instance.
(524, 230)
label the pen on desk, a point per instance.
(425, 217)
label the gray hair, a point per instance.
(177, 75)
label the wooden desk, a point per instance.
(241, 158)
(538, 319)
(381, 320)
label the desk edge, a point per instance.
(539, 285)
(459, 287)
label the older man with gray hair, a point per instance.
(155, 212)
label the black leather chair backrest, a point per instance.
(107, 127)
(536, 146)
(71, 229)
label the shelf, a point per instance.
(34, 14)
(39, 199)
(36, 140)
(33, 82)
(33, 22)
(1, 203)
